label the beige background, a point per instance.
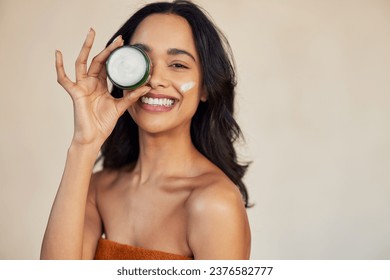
(314, 104)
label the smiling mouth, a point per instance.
(166, 102)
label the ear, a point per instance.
(203, 95)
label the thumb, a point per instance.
(130, 97)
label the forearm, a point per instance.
(64, 233)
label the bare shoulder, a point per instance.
(100, 182)
(218, 225)
(214, 190)
(103, 178)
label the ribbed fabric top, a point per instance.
(110, 250)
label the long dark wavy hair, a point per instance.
(213, 128)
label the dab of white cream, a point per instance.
(186, 87)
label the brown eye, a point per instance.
(178, 65)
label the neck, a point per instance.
(164, 155)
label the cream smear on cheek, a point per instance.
(186, 87)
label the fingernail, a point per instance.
(117, 37)
(90, 30)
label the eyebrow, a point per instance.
(171, 51)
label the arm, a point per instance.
(93, 226)
(218, 224)
(73, 217)
(64, 233)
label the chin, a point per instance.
(161, 123)
(153, 125)
(163, 126)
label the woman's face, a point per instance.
(175, 77)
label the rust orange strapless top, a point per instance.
(110, 250)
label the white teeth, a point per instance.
(157, 101)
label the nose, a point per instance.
(158, 77)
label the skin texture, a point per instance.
(172, 199)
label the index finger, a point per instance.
(81, 62)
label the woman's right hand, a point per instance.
(96, 112)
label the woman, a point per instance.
(171, 187)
